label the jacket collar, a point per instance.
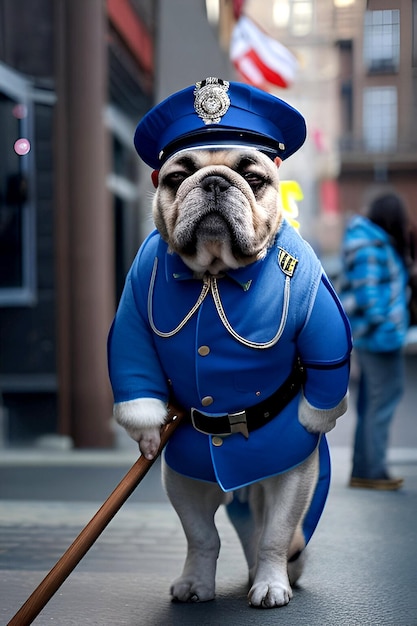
(243, 276)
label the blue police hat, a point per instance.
(217, 112)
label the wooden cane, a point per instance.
(80, 546)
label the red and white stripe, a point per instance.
(259, 58)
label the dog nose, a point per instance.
(215, 184)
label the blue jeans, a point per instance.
(381, 386)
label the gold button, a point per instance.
(217, 441)
(207, 400)
(203, 350)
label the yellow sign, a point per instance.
(290, 193)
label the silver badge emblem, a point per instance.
(211, 101)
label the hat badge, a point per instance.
(211, 101)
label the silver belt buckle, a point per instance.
(238, 423)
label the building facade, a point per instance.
(357, 87)
(75, 77)
(378, 104)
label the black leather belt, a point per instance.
(255, 416)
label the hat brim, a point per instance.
(254, 118)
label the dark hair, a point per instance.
(388, 211)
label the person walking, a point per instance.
(375, 256)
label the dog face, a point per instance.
(218, 209)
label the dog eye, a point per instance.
(254, 180)
(175, 179)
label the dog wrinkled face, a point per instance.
(218, 209)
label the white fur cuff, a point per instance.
(320, 420)
(140, 413)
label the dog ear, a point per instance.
(277, 161)
(155, 178)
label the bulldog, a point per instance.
(227, 309)
(218, 209)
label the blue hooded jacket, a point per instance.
(374, 293)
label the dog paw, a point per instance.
(317, 420)
(142, 418)
(149, 440)
(187, 589)
(269, 596)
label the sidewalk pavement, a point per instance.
(361, 569)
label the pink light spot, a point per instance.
(22, 146)
(20, 111)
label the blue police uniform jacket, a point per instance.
(222, 345)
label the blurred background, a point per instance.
(75, 78)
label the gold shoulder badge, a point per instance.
(287, 262)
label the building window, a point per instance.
(123, 182)
(17, 219)
(302, 17)
(296, 15)
(382, 41)
(380, 119)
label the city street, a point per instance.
(361, 569)
(96, 99)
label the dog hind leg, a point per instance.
(196, 503)
(281, 503)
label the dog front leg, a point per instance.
(284, 500)
(196, 503)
